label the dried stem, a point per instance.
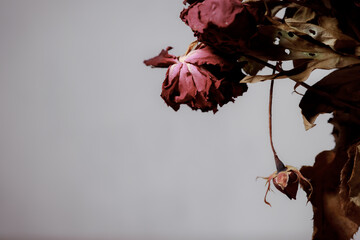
(279, 164)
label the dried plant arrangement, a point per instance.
(236, 39)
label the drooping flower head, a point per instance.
(287, 181)
(201, 78)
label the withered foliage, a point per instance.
(236, 39)
(335, 176)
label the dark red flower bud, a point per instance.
(201, 79)
(287, 182)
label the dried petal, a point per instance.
(164, 59)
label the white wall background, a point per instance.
(89, 150)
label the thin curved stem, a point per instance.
(278, 163)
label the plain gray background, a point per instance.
(89, 150)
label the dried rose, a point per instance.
(224, 24)
(287, 182)
(201, 78)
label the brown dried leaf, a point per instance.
(302, 72)
(251, 67)
(329, 23)
(335, 177)
(342, 88)
(334, 216)
(349, 193)
(338, 219)
(331, 37)
(354, 181)
(280, 42)
(347, 13)
(303, 14)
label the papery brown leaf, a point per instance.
(321, 7)
(330, 218)
(347, 14)
(354, 181)
(250, 67)
(329, 23)
(304, 14)
(291, 36)
(343, 227)
(350, 186)
(292, 41)
(335, 178)
(302, 72)
(280, 43)
(333, 38)
(341, 86)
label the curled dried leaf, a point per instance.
(301, 73)
(302, 14)
(342, 88)
(250, 67)
(333, 38)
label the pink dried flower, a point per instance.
(201, 79)
(224, 24)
